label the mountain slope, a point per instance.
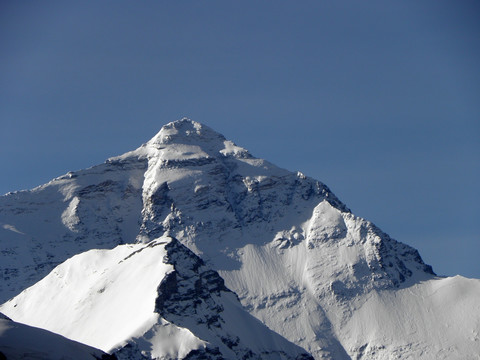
(297, 258)
(154, 300)
(95, 208)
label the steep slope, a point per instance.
(298, 259)
(154, 300)
(19, 341)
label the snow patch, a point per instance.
(233, 150)
(169, 340)
(69, 217)
(12, 228)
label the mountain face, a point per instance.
(260, 242)
(153, 300)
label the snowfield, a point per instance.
(189, 246)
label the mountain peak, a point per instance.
(186, 139)
(185, 130)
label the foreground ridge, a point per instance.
(19, 341)
(154, 300)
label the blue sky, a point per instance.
(379, 100)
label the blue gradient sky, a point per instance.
(379, 100)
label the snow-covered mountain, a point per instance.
(294, 255)
(154, 300)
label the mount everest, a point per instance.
(189, 247)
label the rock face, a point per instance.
(294, 255)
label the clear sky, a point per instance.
(380, 100)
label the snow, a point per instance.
(98, 283)
(172, 341)
(93, 208)
(444, 310)
(70, 217)
(108, 298)
(12, 228)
